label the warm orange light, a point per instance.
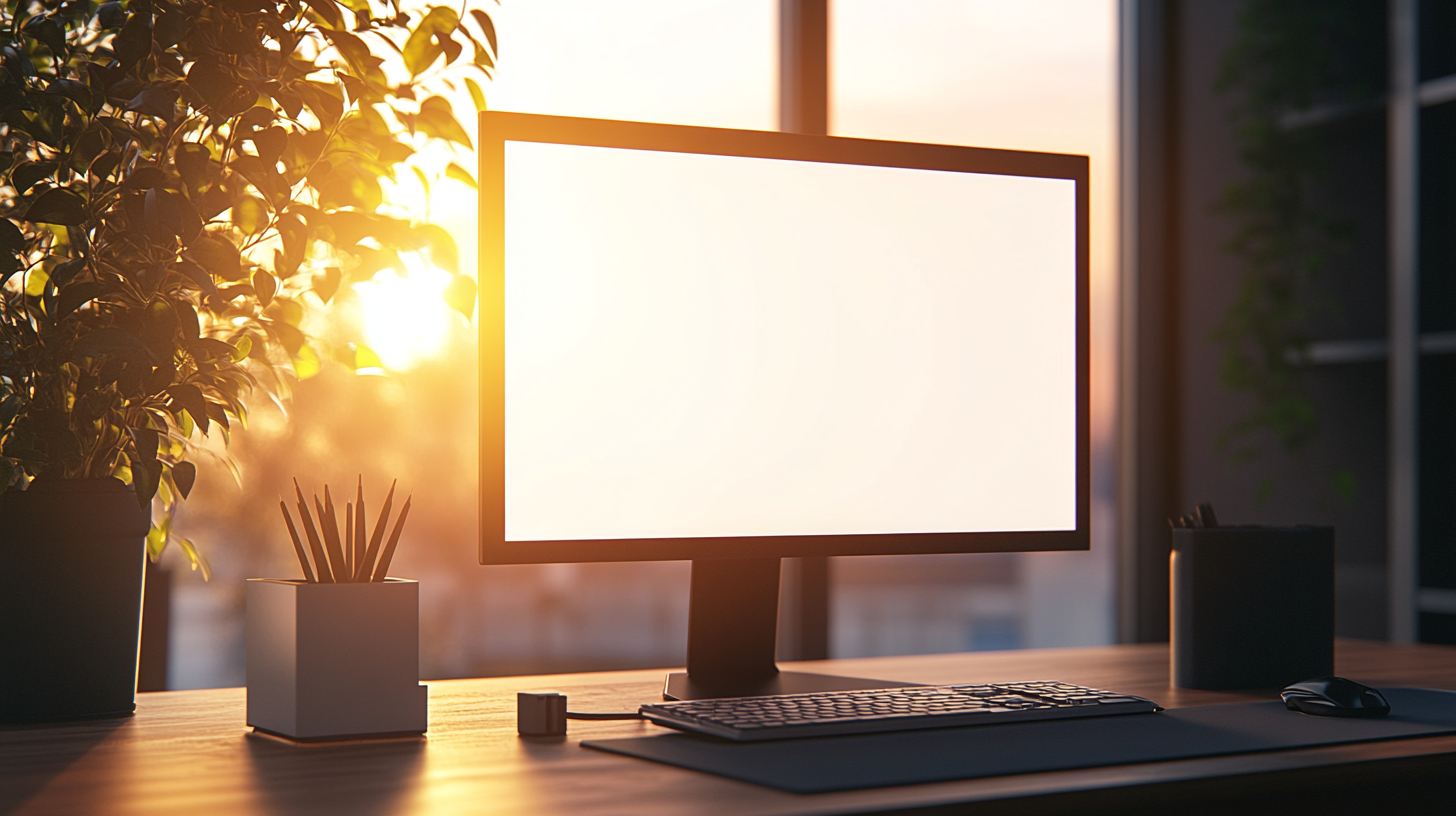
(406, 320)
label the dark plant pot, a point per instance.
(72, 557)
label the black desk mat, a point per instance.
(911, 757)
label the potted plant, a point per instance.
(180, 183)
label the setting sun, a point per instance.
(406, 319)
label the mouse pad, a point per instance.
(823, 764)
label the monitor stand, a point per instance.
(732, 635)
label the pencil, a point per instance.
(382, 571)
(373, 552)
(362, 570)
(351, 564)
(320, 560)
(329, 526)
(297, 545)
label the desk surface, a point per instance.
(189, 751)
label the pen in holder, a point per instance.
(336, 654)
(1252, 607)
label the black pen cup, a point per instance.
(1252, 607)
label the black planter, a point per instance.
(1253, 607)
(72, 557)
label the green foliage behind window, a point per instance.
(1291, 60)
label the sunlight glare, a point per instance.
(406, 320)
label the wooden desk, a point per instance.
(188, 752)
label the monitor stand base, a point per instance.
(681, 687)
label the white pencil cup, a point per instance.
(334, 661)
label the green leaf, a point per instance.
(325, 100)
(219, 87)
(157, 538)
(9, 265)
(217, 256)
(366, 358)
(356, 53)
(327, 11)
(486, 27)
(436, 119)
(460, 174)
(193, 161)
(476, 95)
(420, 52)
(58, 205)
(62, 273)
(134, 42)
(326, 283)
(242, 348)
(11, 237)
(49, 31)
(288, 336)
(443, 252)
(78, 92)
(350, 185)
(195, 556)
(250, 214)
(213, 201)
(25, 176)
(110, 15)
(184, 475)
(145, 441)
(307, 363)
(187, 397)
(482, 58)
(77, 295)
(459, 294)
(270, 143)
(112, 342)
(146, 476)
(427, 42)
(36, 282)
(154, 100)
(170, 27)
(265, 285)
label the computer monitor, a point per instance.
(736, 346)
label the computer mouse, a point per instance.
(1335, 697)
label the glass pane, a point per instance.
(700, 62)
(1030, 75)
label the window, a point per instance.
(1034, 75)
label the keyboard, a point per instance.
(831, 713)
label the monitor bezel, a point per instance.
(497, 128)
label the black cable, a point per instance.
(603, 715)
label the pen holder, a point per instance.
(1253, 607)
(334, 661)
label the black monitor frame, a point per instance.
(733, 611)
(497, 128)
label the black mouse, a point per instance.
(1335, 697)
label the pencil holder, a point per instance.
(334, 661)
(1253, 607)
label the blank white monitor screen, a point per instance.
(709, 346)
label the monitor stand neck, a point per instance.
(733, 618)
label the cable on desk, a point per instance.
(603, 715)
